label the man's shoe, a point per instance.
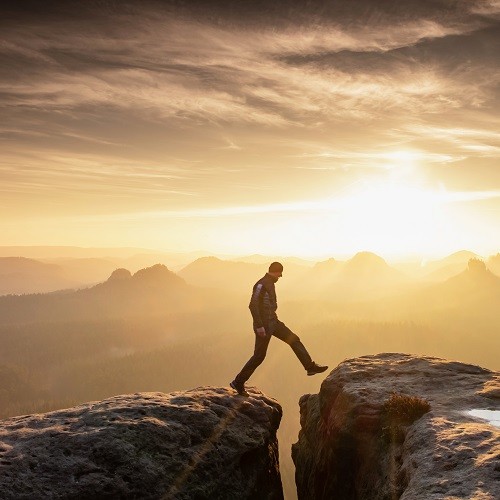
(315, 368)
(239, 388)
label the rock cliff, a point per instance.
(396, 426)
(202, 443)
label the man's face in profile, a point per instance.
(276, 274)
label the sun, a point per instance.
(393, 204)
(392, 215)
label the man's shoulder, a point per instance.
(264, 281)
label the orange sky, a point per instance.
(252, 128)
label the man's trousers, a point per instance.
(282, 332)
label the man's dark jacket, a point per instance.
(263, 304)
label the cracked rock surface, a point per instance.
(202, 443)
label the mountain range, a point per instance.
(364, 279)
(365, 276)
(150, 291)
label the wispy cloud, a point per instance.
(386, 159)
(466, 141)
(487, 7)
(227, 75)
(93, 174)
(156, 101)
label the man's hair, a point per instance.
(275, 266)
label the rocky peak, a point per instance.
(120, 275)
(367, 259)
(203, 443)
(476, 280)
(460, 257)
(476, 266)
(159, 273)
(397, 426)
(368, 266)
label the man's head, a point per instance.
(276, 270)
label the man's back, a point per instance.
(263, 303)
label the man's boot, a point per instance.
(315, 368)
(239, 388)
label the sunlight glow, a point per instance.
(391, 216)
(393, 204)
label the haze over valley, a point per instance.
(156, 330)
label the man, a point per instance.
(263, 305)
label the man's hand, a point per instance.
(261, 332)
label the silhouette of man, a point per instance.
(263, 305)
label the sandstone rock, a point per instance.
(350, 447)
(202, 443)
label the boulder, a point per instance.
(395, 426)
(202, 443)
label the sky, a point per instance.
(301, 128)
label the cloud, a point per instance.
(159, 69)
(268, 87)
(93, 174)
(478, 142)
(376, 159)
(487, 8)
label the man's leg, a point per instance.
(286, 335)
(259, 354)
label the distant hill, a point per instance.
(365, 276)
(85, 271)
(442, 269)
(28, 270)
(213, 272)
(473, 294)
(154, 290)
(132, 258)
(174, 261)
(494, 264)
(20, 275)
(460, 257)
(475, 285)
(266, 260)
(369, 269)
(313, 282)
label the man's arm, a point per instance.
(258, 290)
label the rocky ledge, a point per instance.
(203, 443)
(394, 426)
